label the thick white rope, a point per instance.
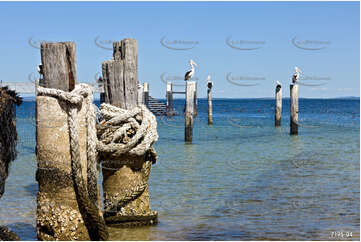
(123, 131)
(82, 94)
(126, 132)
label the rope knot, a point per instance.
(74, 97)
(126, 131)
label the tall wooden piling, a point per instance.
(278, 109)
(169, 96)
(189, 112)
(195, 100)
(146, 93)
(294, 109)
(122, 176)
(58, 213)
(209, 95)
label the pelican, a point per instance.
(296, 76)
(209, 83)
(40, 69)
(189, 74)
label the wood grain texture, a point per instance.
(129, 54)
(121, 75)
(59, 65)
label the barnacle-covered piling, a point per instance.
(63, 116)
(125, 173)
(8, 140)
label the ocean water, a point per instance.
(240, 179)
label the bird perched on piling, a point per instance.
(278, 83)
(40, 69)
(209, 83)
(189, 74)
(296, 76)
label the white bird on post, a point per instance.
(296, 76)
(209, 83)
(278, 83)
(40, 69)
(189, 74)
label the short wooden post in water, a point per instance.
(294, 109)
(140, 95)
(189, 114)
(278, 110)
(102, 97)
(169, 96)
(122, 176)
(100, 83)
(58, 215)
(209, 92)
(146, 93)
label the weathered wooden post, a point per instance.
(140, 95)
(100, 84)
(58, 212)
(102, 97)
(126, 196)
(169, 96)
(209, 92)
(278, 110)
(8, 141)
(189, 114)
(294, 109)
(195, 101)
(146, 93)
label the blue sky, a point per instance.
(268, 26)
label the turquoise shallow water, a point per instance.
(241, 179)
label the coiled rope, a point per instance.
(86, 196)
(126, 132)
